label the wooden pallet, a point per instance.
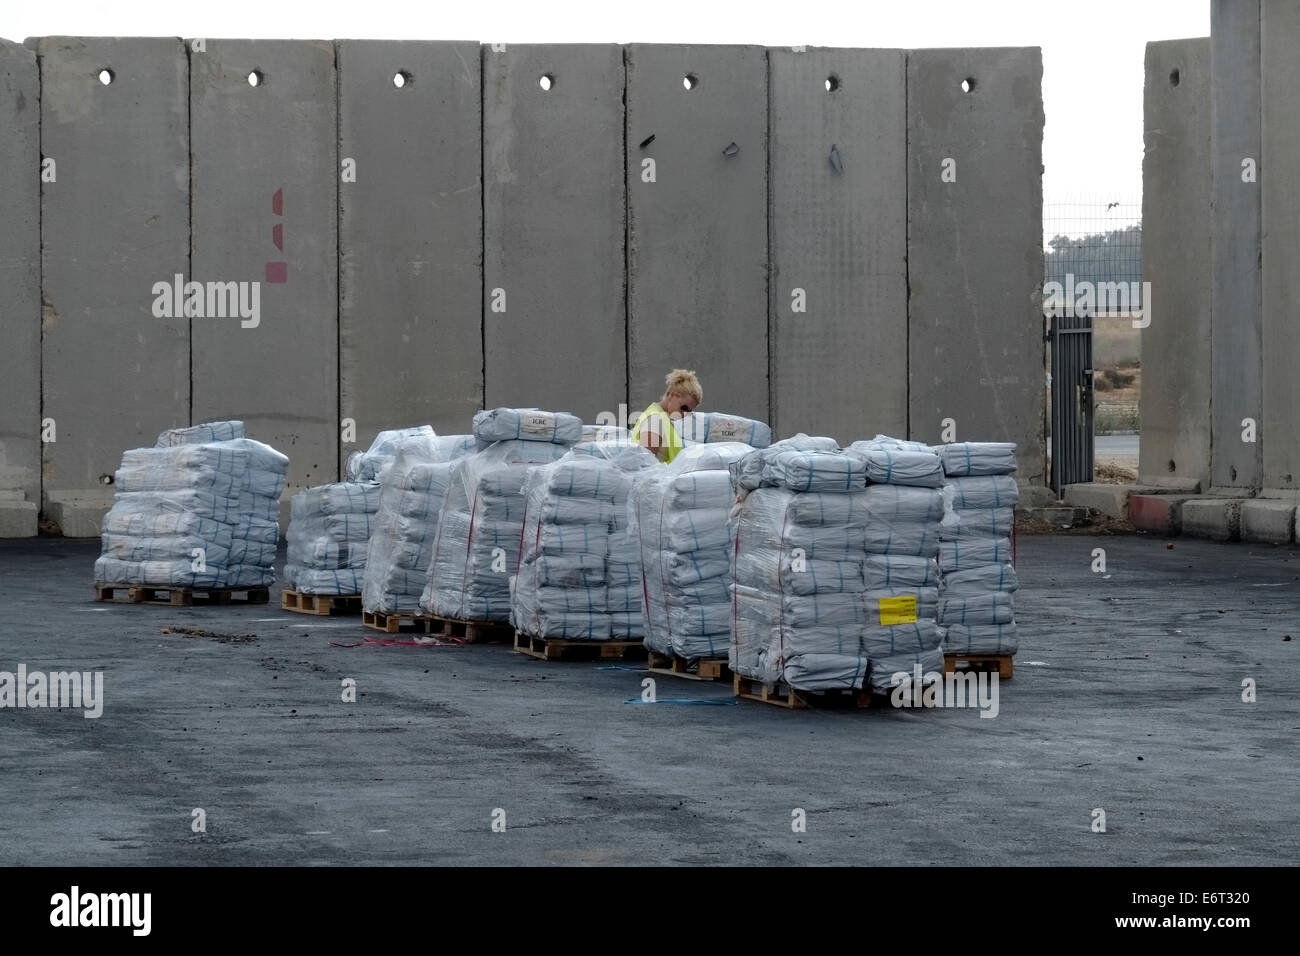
(471, 632)
(395, 623)
(554, 649)
(1002, 663)
(320, 604)
(706, 668)
(178, 597)
(782, 695)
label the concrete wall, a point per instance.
(410, 236)
(252, 144)
(697, 234)
(114, 222)
(1280, 197)
(1176, 260)
(553, 230)
(975, 254)
(360, 213)
(838, 235)
(1236, 280)
(20, 290)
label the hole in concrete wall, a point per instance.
(546, 81)
(402, 78)
(105, 479)
(690, 81)
(1233, 472)
(256, 78)
(106, 76)
(968, 85)
(1172, 466)
(1174, 78)
(832, 83)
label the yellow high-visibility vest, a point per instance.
(670, 443)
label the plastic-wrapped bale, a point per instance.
(977, 591)
(196, 514)
(624, 588)
(969, 458)
(329, 537)
(894, 462)
(526, 424)
(902, 574)
(405, 526)
(797, 580)
(258, 531)
(369, 465)
(479, 531)
(679, 517)
(559, 588)
(748, 472)
(330, 526)
(199, 434)
(697, 428)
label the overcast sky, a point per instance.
(1092, 52)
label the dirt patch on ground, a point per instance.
(1109, 473)
(1097, 524)
(211, 635)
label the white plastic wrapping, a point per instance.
(978, 523)
(903, 520)
(977, 607)
(198, 434)
(797, 616)
(978, 458)
(814, 471)
(701, 427)
(406, 524)
(194, 513)
(981, 639)
(888, 463)
(749, 472)
(559, 589)
(479, 530)
(991, 491)
(902, 541)
(962, 554)
(526, 424)
(369, 465)
(329, 537)
(679, 516)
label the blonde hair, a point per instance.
(682, 382)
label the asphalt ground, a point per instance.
(1127, 698)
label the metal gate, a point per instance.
(1072, 440)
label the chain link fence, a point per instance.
(1098, 239)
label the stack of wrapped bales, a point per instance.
(482, 517)
(798, 584)
(977, 592)
(624, 587)
(330, 525)
(679, 514)
(405, 525)
(198, 510)
(904, 508)
(578, 575)
(559, 588)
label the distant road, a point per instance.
(1116, 446)
(1117, 450)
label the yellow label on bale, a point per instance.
(898, 610)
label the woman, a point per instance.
(654, 429)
